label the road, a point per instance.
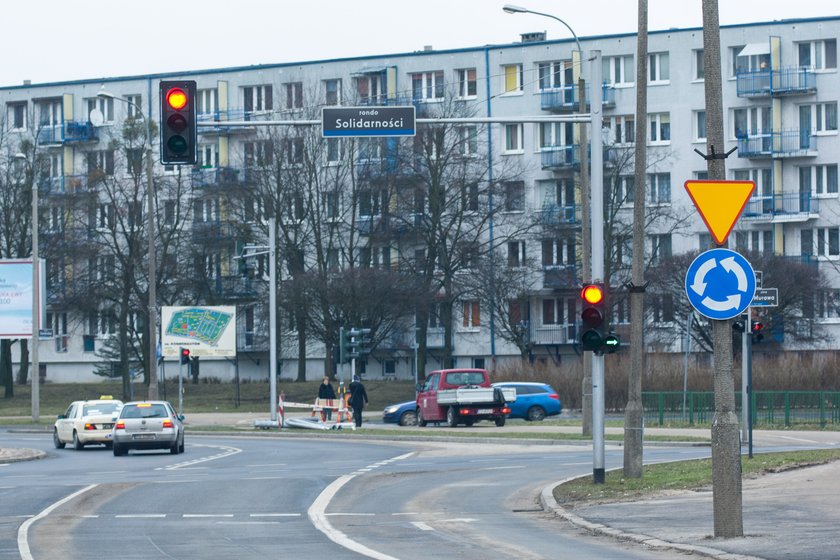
(257, 498)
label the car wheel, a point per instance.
(420, 421)
(536, 414)
(408, 418)
(500, 421)
(57, 441)
(451, 417)
(181, 447)
(174, 447)
(77, 444)
(118, 450)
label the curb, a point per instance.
(549, 504)
(23, 454)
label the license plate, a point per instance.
(143, 436)
(485, 410)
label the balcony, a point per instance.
(68, 133)
(553, 214)
(68, 184)
(560, 157)
(213, 232)
(561, 277)
(778, 208)
(769, 83)
(551, 335)
(787, 143)
(233, 287)
(217, 177)
(218, 117)
(567, 98)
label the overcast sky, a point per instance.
(56, 40)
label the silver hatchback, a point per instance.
(148, 425)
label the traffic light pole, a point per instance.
(597, 221)
(272, 315)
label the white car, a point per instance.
(87, 422)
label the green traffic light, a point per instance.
(177, 144)
(591, 340)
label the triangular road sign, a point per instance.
(720, 204)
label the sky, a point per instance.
(57, 40)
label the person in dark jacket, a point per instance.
(326, 391)
(358, 399)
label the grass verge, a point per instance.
(682, 475)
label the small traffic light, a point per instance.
(185, 355)
(343, 345)
(178, 122)
(593, 336)
(738, 326)
(757, 335)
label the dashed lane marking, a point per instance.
(227, 451)
(422, 526)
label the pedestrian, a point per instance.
(326, 391)
(358, 399)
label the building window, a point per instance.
(373, 201)
(663, 308)
(105, 105)
(512, 79)
(660, 128)
(824, 242)
(821, 118)
(818, 179)
(105, 216)
(335, 150)
(102, 323)
(427, 86)
(207, 102)
(619, 70)
(623, 129)
(819, 55)
(752, 121)
(17, 116)
(369, 149)
(557, 312)
(259, 153)
(208, 156)
(699, 126)
(332, 205)
(467, 85)
(553, 135)
(554, 75)
(699, 65)
(332, 92)
(207, 266)
(258, 99)
(100, 161)
(293, 150)
(556, 193)
(205, 210)
(294, 95)
(660, 248)
(469, 197)
(468, 139)
(134, 161)
(513, 139)
(659, 188)
(558, 252)
(658, 71)
(514, 196)
(750, 58)
(169, 212)
(472, 314)
(516, 254)
(370, 89)
(625, 189)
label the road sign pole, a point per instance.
(744, 369)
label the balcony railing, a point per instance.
(785, 81)
(212, 231)
(234, 287)
(217, 176)
(69, 132)
(543, 335)
(567, 98)
(781, 207)
(553, 214)
(786, 143)
(560, 277)
(560, 157)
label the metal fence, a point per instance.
(769, 408)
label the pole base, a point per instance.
(598, 476)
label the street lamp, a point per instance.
(150, 209)
(36, 299)
(511, 9)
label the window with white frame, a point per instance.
(100, 161)
(751, 121)
(512, 79)
(105, 105)
(659, 188)
(469, 197)
(427, 86)
(372, 201)
(751, 58)
(49, 113)
(514, 193)
(733, 60)
(335, 150)
(332, 205)
(467, 83)
(557, 311)
(818, 179)
(660, 247)
(134, 106)
(294, 95)
(370, 89)
(619, 70)
(623, 129)
(208, 156)
(205, 210)
(554, 135)
(207, 266)
(558, 252)
(662, 308)
(293, 149)
(369, 149)
(515, 254)
(134, 161)
(625, 189)
(763, 194)
(332, 92)
(557, 193)
(104, 216)
(169, 212)
(819, 55)
(658, 68)
(134, 213)
(826, 242)
(16, 115)
(513, 139)
(259, 153)
(102, 269)
(553, 75)
(257, 99)
(207, 102)
(55, 219)
(660, 128)
(820, 118)
(102, 323)
(57, 322)
(471, 314)
(699, 65)
(699, 126)
(826, 304)
(468, 139)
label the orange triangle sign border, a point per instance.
(720, 204)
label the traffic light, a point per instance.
(178, 122)
(738, 327)
(343, 345)
(352, 343)
(757, 335)
(185, 355)
(593, 336)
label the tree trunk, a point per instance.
(6, 376)
(23, 369)
(300, 325)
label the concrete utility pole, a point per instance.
(726, 447)
(586, 251)
(633, 412)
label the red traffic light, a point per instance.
(592, 294)
(176, 98)
(757, 326)
(185, 355)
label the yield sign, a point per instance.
(720, 204)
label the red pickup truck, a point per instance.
(462, 396)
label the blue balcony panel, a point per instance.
(552, 214)
(768, 83)
(782, 207)
(786, 143)
(67, 133)
(561, 277)
(567, 98)
(560, 157)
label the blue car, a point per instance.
(404, 414)
(534, 401)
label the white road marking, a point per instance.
(422, 526)
(265, 478)
(108, 472)
(459, 520)
(275, 515)
(90, 517)
(349, 514)
(140, 516)
(227, 451)
(407, 513)
(502, 468)
(318, 516)
(268, 465)
(23, 530)
(204, 515)
(172, 481)
(799, 439)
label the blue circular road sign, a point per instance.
(720, 284)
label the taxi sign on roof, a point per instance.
(720, 204)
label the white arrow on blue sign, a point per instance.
(720, 284)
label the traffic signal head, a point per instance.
(757, 335)
(178, 122)
(592, 315)
(185, 355)
(738, 326)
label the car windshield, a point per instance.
(465, 378)
(150, 411)
(100, 408)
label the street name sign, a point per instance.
(766, 297)
(348, 122)
(720, 284)
(720, 204)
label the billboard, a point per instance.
(16, 298)
(209, 332)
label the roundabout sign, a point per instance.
(720, 284)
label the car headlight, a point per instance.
(391, 409)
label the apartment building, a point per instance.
(780, 85)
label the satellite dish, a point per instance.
(96, 118)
